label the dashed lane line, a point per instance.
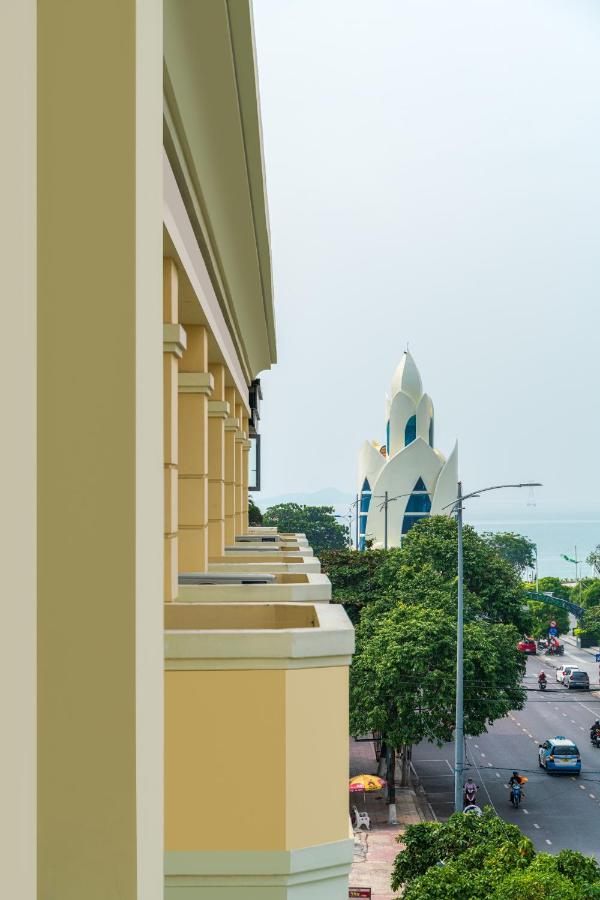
(535, 825)
(548, 842)
(526, 811)
(593, 796)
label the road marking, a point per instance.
(548, 842)
(526, 811)
(582, 787)
(535, 825)
(497, 774)
(476, 746)
(572, 778)
(581, 727)
(449, 766)
(573, 722)
(524, 729)
(483, 754)
(593, 796)
(556, 707)
(565, 715)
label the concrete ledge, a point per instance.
(288, 588)
(260, 636)
(264, 547)
(303, 565)
(319, 872)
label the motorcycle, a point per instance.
(542, 684)
(595, 739)
(515, 794)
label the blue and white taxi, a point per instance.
(560, 754)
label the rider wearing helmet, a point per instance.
(595, 727)
(515, 778)
(542, 676)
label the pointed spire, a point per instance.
(407, 379)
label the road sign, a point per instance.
(597, 657)
(360, 892)
(553, 631)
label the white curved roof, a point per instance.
(407, 379)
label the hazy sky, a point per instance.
(433, 175)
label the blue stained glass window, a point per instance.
(431, 432)
(365, 501)
(418, 506)
(410, 432)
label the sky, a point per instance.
(433, 179)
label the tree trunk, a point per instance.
(391, 784)
(382, 761)
(405, 770)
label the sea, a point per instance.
(554, 539)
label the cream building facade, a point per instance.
(406, 478)
(173, 682)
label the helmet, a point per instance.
(515, 773)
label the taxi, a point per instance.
(559, 754)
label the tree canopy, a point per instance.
(593, 560)
(356, 578)
(516, 549)
(255, 516)
(485, 858)
(403, 676)
(318, 523)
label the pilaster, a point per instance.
(195, 387)
(231, 428)
(174, 344)
(240, 458)
(218, 412)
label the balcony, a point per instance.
(256, 699)
(284, 588)
(267, 562)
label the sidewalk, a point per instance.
(375, 851)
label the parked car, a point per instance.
(527, 645)
(559, 754)
(564, 670)
(577, 679)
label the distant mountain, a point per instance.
(325, 497)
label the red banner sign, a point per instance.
(360, 892)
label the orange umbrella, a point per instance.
(364, 783)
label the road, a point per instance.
(557, 811)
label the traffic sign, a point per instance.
(553, 631)
(597, 657)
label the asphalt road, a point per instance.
(557, 811)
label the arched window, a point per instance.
(431, 432)
(387, 437)
(410, 432)
(365, 502)
(418, 506)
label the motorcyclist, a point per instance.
(595, 729)
(541, 677)
(515, 778)
(469, 788)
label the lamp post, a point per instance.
(347, 516)
(459, 724)
(386, 502)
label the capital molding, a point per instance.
(196, 383)
(246, 445)
(218, 409)
(240, 437)
(174, 339)
(232, 424)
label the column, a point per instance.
(174, 343)
(239, 465)
(99, 450)
(195, 387)
(218, 412)
(231, 428)
(246, 447)
(18, 470)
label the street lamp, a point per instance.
(349, 517)
(459, 750)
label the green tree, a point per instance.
(590, 627)
(356, 578)
(554, 586)
(590, 596)
(318, 523)
(516, 549)
(255, 517)
(541, 614)
(485, 858)
(593, 560)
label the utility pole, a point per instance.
(459, 743)
(357, 515)
(385, 527)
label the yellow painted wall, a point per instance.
(316, 753)
(224, 760)
(100, 477)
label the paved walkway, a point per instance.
(376, 850)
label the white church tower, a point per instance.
(406, 464)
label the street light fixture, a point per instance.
(386, 502)
(459, 750)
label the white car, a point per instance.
(565, 670)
